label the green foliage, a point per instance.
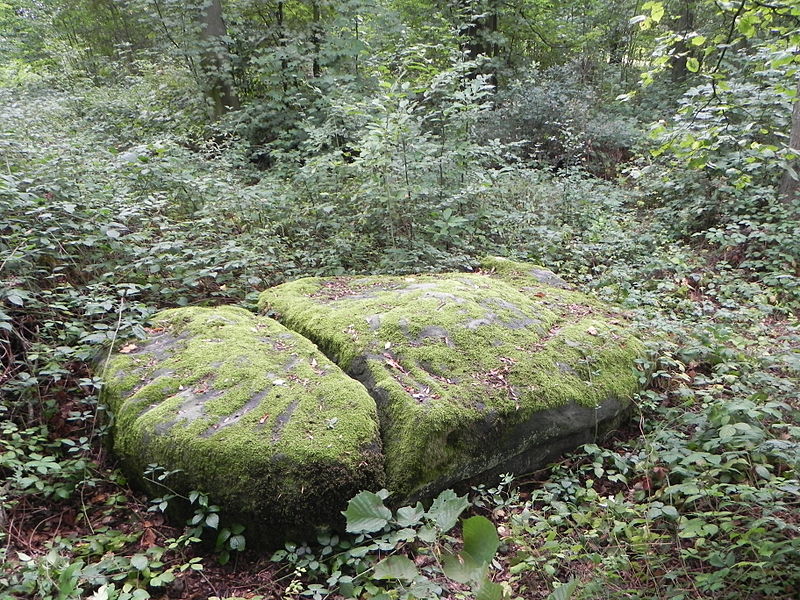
(709, 484)
(378, 560)
(204, 525)
(366, 513)
(556, 118)
(106, 563)
(70, 570)
(732, 131)
(33, 465)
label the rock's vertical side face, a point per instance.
(503, 369)
(251, 412)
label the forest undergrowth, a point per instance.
(116, 204)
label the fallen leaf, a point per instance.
(127, 349)
(148, 539)
(591, 331)
(660, 473)
(263, 419)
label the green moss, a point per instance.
(460, 362)
(254, 414)
(520, 272)
(469, 371)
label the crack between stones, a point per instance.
(358, 372)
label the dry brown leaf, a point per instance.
(148, 539)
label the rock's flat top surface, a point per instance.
(470, 371)
(252, 413)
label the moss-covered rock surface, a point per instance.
(472, 373)
(416, 383)
(251, 412)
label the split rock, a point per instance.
(473, 374)
(252, 413)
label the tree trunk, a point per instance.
(480, 24)
(316, 37)
(681, 51)
(217, 71)
(618, 35)
(788, 191)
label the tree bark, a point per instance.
(316, 37)
(216, 62)
(685, 25)
(788, 190)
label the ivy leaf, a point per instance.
(656, 10)
(15, 299)
(396, 567)
(565, 591)
(366, 513)
(100, 594)
(237, 542)
(746, 27)
(763, 472)
(139, 562)
(462, 568)
(427, 534)
(490, 591)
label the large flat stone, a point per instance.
(416, 383)
(472, 373)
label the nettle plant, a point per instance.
(404, 554)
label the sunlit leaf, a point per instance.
(366, 513)
(396, 567)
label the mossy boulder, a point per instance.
(252, 414)
(414, 383)
(473, 374)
